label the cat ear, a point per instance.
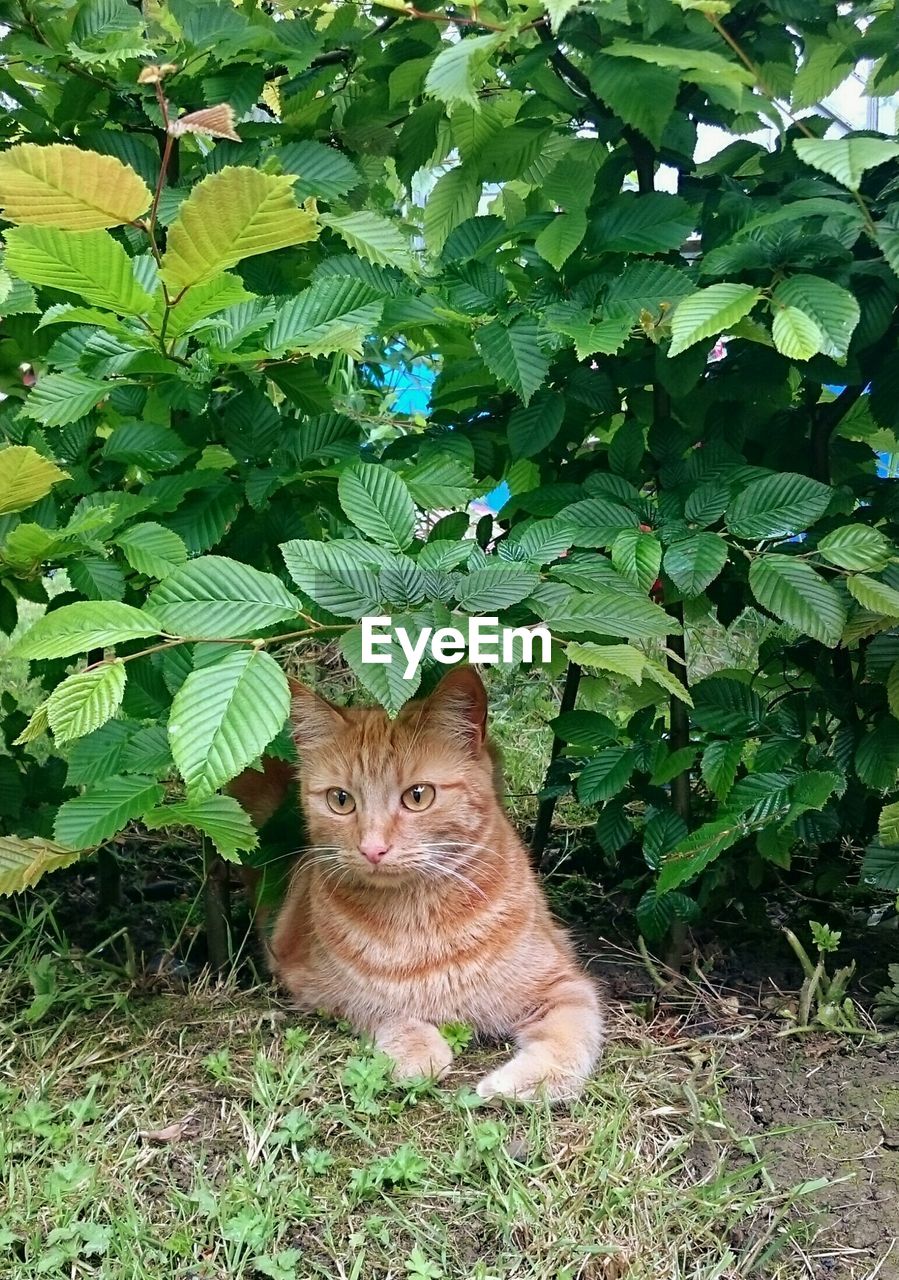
(459, 705)
(314, 719)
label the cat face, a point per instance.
(395, 800)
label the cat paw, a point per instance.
(522, 1082)
(419, 1051)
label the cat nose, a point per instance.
(374, 850)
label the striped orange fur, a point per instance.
(401, 920)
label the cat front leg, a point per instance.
(417, 1048)
(557, 1048)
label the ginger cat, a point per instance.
(416, 903)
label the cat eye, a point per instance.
(339, 801)
(419, 797)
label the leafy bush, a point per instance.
(198, 315)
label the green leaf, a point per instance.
(85, 701)
(323, 171)
(495, 587)
(558, 10)
(606, 611)
(831, 308)
(699, 61)
(224, 716)
(846, 159)
(597, 522)
(720, 762)
(513, 355)
(63, 186)
(710, 312)
(60, 398)
(386, 682)
(453, 201)
(100, 754)
(893, 689)
(674, 764)
(460, 68)
(231, 215)
(205, 300)
(377, 501)
(24, 862)
(331, 575)
(795, 593)
(651, 223)
(873, 595)
(657, 912)
(25, 477)
(855, 546)
(777, 506)
(215, 596)
(662, 833)
(641, 95)
(877, 755)
(622, 659)
(75, 628)
(559, 239)
(795, 334)
(888, 824)
(728, 706)
(605, 775)
(104, 810)
(531, 429)
(637, 556)
(646, 286)
(89, 264)
(887, 235)
(221, 818)
(660, 674)
(152, 549)
(697, 851)
(97, 577)
(584, 728)
(374, 238)
(695, 562)
(880, 867)
(329, 316)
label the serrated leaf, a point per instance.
(64, 186)
(558, 10)
(700, 61)
(605, 775)
(641, 95)
(893, 689)
(322, 171)
(856, 546)
(60, 398)
(85, 701)
(152, 549)
(104, 810)
(97, 577)
(728, 706)
(221, 818)
(100, 754)
(495, 587)
(622, 659)
(719, 765)
(795, 334)
(777, 506)
(637, 556)
(649, 223)
(374, 238)
(888, 824)
(662, 833)
(459, 69)
(205, 300)
(329, 316)
(697, 851)
(89, 263)
(795, 593)
(607, 611)
(873, 595)
(658, 672)
(513, 355)
(75, 628)
(24, 862)
(559, 239)
(333, 577)
(216, 596)
(832, 309)
(224, 716)
(386, 682)
(453, 201)
(646, 286)
(657, 912)
(229, 216)
(596, 522)
(710, 312)
(695, 562)
(25, 477)
(846, 159)
(584, 728)
(377, 501)
(677, 762)
(880, 867)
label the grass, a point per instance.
(211, 1134)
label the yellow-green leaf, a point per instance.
(231, 215)
(86, 700)
(25, 477)
(89, 263)
(23, 862)
(63, 186)
(873, 595)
